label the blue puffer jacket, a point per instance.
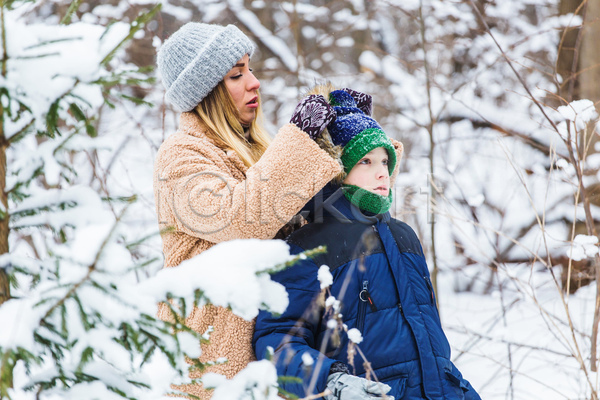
(381, 278)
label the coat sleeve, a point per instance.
(293, 335)
(202, 198)
(469, 392)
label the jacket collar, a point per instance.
(191, 124)
(330, 202)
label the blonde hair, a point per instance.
(220, 115)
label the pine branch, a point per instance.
(91, 269)
(135, 26)
(72, 8)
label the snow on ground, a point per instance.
(518, 344)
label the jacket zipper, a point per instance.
(365, 299)
(365, 296)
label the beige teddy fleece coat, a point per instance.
(205, 195)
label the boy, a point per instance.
(379, 276)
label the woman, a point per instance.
(219, 177)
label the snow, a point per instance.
(580, 111)
(309, 11)
(482, 332)
(307, 359)
(275, 44)
(248, 259)
(70, 53)
(181, 13)
(324, 276)
(18, 317)
(309, 32)
(232, 274)
(355, 336)
(90, 391)
(345, 42)
(209, 330)
(333, 303)
(476, 200)
(259, 378)
(212, 380)
(583, 246)
(369, 60)
(332, 324)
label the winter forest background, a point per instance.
(494, 100)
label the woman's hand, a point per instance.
(312, 115)
(363, 101)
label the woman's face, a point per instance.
(243, 88)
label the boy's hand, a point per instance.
(349, 387)
(312, 115)
(363, 101)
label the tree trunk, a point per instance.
(568, 53)
(4, 281)
(578, 58)
(589, 65)
(579, 50)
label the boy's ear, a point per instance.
(363, 101)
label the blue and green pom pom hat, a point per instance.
(356, 132)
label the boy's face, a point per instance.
(371, 172)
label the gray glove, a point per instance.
(349, 387)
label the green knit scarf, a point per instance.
(366, 200)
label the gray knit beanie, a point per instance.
(196, 58)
